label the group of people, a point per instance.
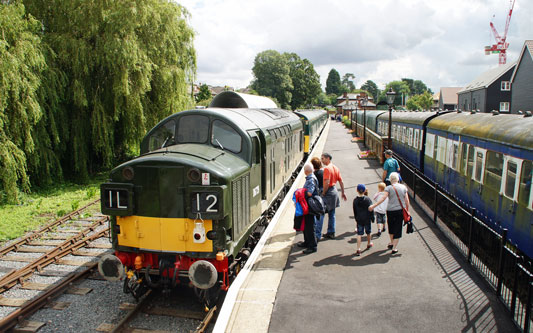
(385, 208)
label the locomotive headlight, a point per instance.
(128, 173)
(199, 232)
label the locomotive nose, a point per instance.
(203, 274)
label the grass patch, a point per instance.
(44, 206)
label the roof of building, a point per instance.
(449, 94)
(436, 96)
(528, 45)
(487, 78)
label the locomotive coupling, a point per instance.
(203, 274)
(111, 268)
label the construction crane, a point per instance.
(501, 45)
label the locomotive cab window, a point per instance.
(225, 137)
(193, 129)
(163, 136)
(525, 192)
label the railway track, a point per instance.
(49, 245)
(145, 307)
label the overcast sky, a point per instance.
(440, 42)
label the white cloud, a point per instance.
(439, 42)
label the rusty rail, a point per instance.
(208, 317)
(30, 307)
(138, 307)
(28, 238)
(70, 245)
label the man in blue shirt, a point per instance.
(390, 166)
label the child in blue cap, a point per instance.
(363, 217)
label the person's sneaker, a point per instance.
(330, 236)
(384, 229)
(307, 251)
(369, 245)
(358, 253)
(379, 233)
(301, 244)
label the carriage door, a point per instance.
(509, 191)
(256, 186)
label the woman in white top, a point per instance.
(394, 193)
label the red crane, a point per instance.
(501, 45)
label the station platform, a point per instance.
(426, 286)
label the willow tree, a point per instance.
(21, 62)
(125, 65)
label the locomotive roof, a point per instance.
(310, 114)
(501, 128)
(249, 119)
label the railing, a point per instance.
(489, 252)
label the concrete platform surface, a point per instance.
(426, 287)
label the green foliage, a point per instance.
(43, 206)
(81, 81)
(272, 77)
(204, 93)
(371, 88)
(289, 80)
(21, 63)
(305, 81)
(420, 102)
(416, 87)
(333, 82)
(347, 82)
(399, 87)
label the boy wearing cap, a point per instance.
(390, 166)
(363, 217)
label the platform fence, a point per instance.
(486, 250)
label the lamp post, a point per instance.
(390, 100)
(364, 102)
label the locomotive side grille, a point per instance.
(241, 203)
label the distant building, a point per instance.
(522, 80)
(489, 91)
(448, 98)
(436, 98)
(348, 102)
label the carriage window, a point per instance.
(524, 192)
(464, 154)
(163, 136)
(510, 179)
(417, 134)
(193, 129)
(493, 170)
(441, 149)
(430, 142)
(410, 139)
(455, 155)
(478, 167)
(470, 165)
(225, 136)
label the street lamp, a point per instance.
(390, 100)
(364, 102)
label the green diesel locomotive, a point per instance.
(191, 204)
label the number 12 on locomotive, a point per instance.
(204, 202)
